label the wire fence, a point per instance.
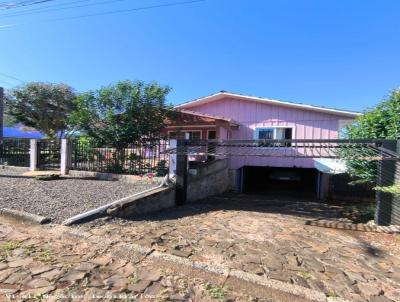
(14, 152)
(139, 158)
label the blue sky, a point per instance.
(335, 53)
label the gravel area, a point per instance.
(62, 198)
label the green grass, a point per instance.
(305, 275)
(6, 249)
(331, 293)
(133, 279)
(215, 291)
(44, 256)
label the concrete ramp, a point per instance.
(152, 200)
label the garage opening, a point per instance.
(296, 182)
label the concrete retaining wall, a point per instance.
(120, 177)
(156, 200)
(211, 179)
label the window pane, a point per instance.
(283, 133)
(280, 133)
(212, 134)
(265, 133)
(195, 135)
(288, 133)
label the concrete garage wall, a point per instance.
(156, 200)
(211, 179)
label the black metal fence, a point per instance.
(366, 149)
(48, 154)
(139, 158)
(14, 152)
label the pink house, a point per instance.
(248, 117)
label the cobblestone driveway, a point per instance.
(270, 238)
(41, 264)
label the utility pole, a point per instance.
(1, 111)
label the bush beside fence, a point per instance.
(139, 158)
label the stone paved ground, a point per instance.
(270, 238)
(37, 264)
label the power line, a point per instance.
(130, 10)
(41, 8)
(11, 77)
(12, 5)
(120, 11)
(54, 9)
(39, 11)
(6, 83)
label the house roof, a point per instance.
(211, 116)
(223, 94)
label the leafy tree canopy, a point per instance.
(380, 122)
(9, 121)
(122, 113)
(42, 106)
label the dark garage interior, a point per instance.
(296, 182)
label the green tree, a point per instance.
(42, 106)
(122, 114)
(379, 122)
(8, 121)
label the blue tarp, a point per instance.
(21, 132)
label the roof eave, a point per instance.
(220, 95)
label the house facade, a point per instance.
(240, 117)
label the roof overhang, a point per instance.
(222, 95)
(206, 117)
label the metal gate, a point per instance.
(384, 153)
(48, 154)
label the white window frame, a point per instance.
(257, 131)
(201, 132)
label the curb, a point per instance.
(14, 168)
(360, 227)
(25, 216)
(276, 285)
